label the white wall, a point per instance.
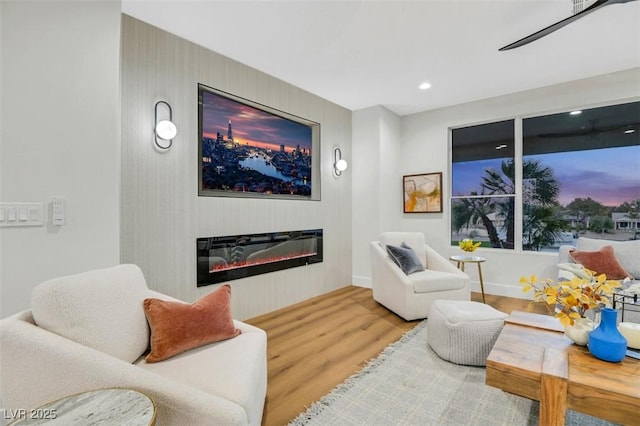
(60, 137)
(162, 214)
(376, 134)
(365, 163)
(424, 147)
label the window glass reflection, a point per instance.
(580, 171)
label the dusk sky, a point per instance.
(251, 125)
(610, 176)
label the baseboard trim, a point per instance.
(360, 281)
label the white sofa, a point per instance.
(410, 296)
(627, 252)
(101, 336)
(628, 255)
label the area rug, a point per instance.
(408, 384)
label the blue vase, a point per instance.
(606, 342)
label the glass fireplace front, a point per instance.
(232, 257)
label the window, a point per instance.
(577, 176)
(483, 184)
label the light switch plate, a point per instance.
(57, 212)
(21, 214)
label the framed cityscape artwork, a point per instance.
(250, 150)
(422, 193)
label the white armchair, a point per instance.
(410, 296)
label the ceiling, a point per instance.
(364, 53)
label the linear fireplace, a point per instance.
(232, 257)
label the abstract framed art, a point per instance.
(422, 193)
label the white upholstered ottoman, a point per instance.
(463, 332)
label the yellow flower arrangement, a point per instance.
(468, 245)
(572, 298)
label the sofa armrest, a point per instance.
(65, 367)
(386, 272)
(438, 262)
(162, 296)
(391, 287)
(563, 254)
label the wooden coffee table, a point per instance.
(533, 358)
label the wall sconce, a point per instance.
(339, 164)
(164, 130)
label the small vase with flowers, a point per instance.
(467, 245)
(572, 299)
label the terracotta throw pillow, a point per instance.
(603, 261)
(177, 327)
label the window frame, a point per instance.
(518, 120)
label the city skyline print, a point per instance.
(251, 126)
(251, 150)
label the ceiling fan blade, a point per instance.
(551, 28)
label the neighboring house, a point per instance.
(625, 221)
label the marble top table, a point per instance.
(98, 407)
(461, 260)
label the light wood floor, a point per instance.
(315, 345)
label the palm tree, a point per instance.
(495, 184)
(541, 191)
(468, 211)
(541, 227)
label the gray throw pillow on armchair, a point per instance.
(406, 258)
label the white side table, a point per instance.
(478, 260)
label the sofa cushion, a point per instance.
(627, 252)
(233, 369)
(405, 258)
(601, 261)
(430, 280)
(177, 327)
(101, 309)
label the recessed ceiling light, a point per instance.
(424, 86)
(575, 112)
